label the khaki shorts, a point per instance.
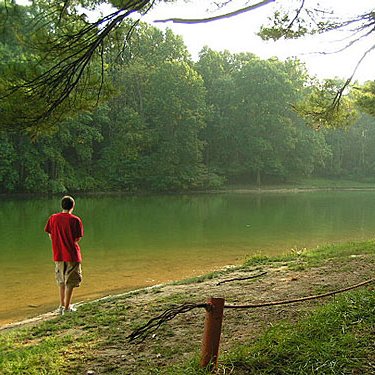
(68, 273)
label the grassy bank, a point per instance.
(310, 183)
(327, 336)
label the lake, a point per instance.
(132, 242)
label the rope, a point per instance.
(141, 333)
(241, 278)
(265, 304)
(153, 324)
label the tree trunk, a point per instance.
(258, 179)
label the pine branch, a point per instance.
(219, 17)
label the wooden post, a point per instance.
(212, 331)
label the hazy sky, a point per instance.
(238, 34)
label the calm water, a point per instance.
(132, 242)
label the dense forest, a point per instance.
(164, 122)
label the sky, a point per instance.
(238, 34)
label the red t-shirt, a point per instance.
(65, 229)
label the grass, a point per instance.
(336, 338)
(52, 346)
(308, 184)
(296, 259)
(202, 278)
(334, 183)
(26, 357)
(313, 258)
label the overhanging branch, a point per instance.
(219, 17)
(58, 82)
(298, 12)
(338, 96)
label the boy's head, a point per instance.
(67, 203)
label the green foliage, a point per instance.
(252, 129)
(351, 150)
(176, 112)
(322, 108)
(336, 339)
(36, 41)
(297, 19)
(365, 97)
(8, 157)
(168, 124)
(281, 27)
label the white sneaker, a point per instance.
(70, 309)
(60, 310)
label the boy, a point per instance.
(65, 231)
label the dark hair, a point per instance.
(67, 202)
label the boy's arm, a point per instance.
(78, 230)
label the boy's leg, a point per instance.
(60, 278)
(62, 294)
(68, 296)
(73, 277)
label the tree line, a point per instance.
(164, 122)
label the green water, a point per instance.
(132, 242)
